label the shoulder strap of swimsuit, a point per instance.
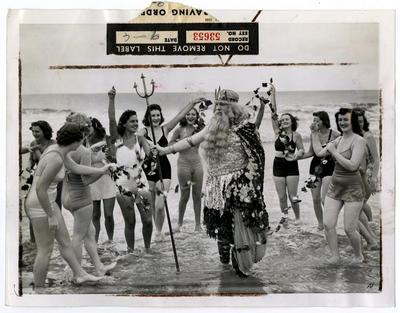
(56, 151)
(330, 134)
(162, 129)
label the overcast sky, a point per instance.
(43, 45)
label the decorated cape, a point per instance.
(244, 193)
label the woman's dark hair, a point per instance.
(199, 121)
(324, 117)
(147, 115)
(45, 127)
(69, 133)
(354, 120)
(361, 112)
(293, 119)
(98, 130)
(122, 121)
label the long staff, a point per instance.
(147, 96)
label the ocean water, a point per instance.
(55, 107)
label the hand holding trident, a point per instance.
(146, 96)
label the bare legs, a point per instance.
(317, 203)
(318, 195)
(84, 233)
(157, 202)
(190, 176)
(350, 218)
(127, 205)
(108, 205)
(44, 240)
(44, 243)
(289, 183)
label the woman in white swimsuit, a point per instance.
(104, 188)
(132, 188)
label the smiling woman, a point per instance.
(129, 154)
(346, 189)
(154, 122)
(190, 167)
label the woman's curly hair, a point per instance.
(199, 122)
(45, 128)
(354, 120)
(69, 133)
(98, 130)
(147, 115)
(294, 120)
(124, 118)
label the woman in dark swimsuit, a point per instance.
(161, 132)
(320, 168)
(285, 168)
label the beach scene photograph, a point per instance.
(269, 168)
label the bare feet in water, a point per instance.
(86, 278)
(198, 229)
(105, 269)
(358, 259)
(334, 259)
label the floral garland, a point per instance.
(29, 179)
(122, 170)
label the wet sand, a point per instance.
(295, 261)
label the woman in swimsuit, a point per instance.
(285, 168)
(42, 132)
(161, 132)
(346, 189)
(104, 188)
(129, 151)
(43, 211)
(372, 167)
(78, 200)
(369, 172)
(190, 167)
(320, 168)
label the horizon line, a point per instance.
(199, 91)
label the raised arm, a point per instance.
(260, 114)
(184, 144)
(358, 153)
(274, 112)
(111, 115)
(172, 123)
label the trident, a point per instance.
(147, 96)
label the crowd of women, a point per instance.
(85, 168)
